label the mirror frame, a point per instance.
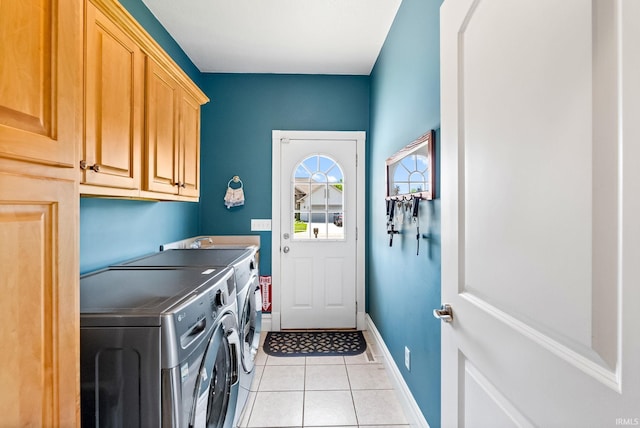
(425, 141)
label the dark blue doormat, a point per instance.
(314, 343)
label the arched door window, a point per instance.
(318, 199)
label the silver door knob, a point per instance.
(445, 313)
(285, 249)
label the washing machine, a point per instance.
(249, 300)
(159, 348)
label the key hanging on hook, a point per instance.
(391, 205)
(408, 204)
(416, 217)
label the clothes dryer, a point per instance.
(249, 300)
(159, 347)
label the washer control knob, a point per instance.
(220, 300)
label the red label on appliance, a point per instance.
(265, 289)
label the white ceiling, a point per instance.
(279, 36)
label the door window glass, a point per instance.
(318, 200)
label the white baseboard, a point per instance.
(269, 321)
(409, 405)
(266, 323)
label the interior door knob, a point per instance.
(285, 249)
(445, 313)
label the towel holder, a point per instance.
(234, 197)
(235, 179)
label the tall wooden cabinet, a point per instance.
(72, 114)
(40, 129)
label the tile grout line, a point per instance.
(353, 401)
(304, 390)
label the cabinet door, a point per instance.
(189, 146)
(39, 286)
(40, 80)
(114, 102)
(161, 140)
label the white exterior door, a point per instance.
(317, 231)
(540, 213)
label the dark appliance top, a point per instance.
(140, 297)
(190, 258)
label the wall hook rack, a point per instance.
(413, 196)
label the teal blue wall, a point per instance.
(236, 137)
(396, 104)
(112, 230)
(143, 15)
(403, 287)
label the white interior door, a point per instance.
(540, 209)
(318, 253)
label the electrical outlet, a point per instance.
(407, 358)
(260, 224)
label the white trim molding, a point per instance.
(266, 322)
(408, 403)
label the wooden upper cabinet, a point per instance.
(172, 135)
(114, 90)
(142, 113)
(40, 80)
(162, 142)
(189, 159)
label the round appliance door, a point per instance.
(251, 324)
(213, 405)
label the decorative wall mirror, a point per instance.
(410, 172)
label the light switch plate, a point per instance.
(258, 224)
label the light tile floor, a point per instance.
(318, 392)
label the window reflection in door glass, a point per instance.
(411, 175)
(318, 200)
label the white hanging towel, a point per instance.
(234, 197)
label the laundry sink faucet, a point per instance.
(197, 243)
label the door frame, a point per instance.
(277, 136)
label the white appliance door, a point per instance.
(251, 324)
(540, 209)
(218, 372)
